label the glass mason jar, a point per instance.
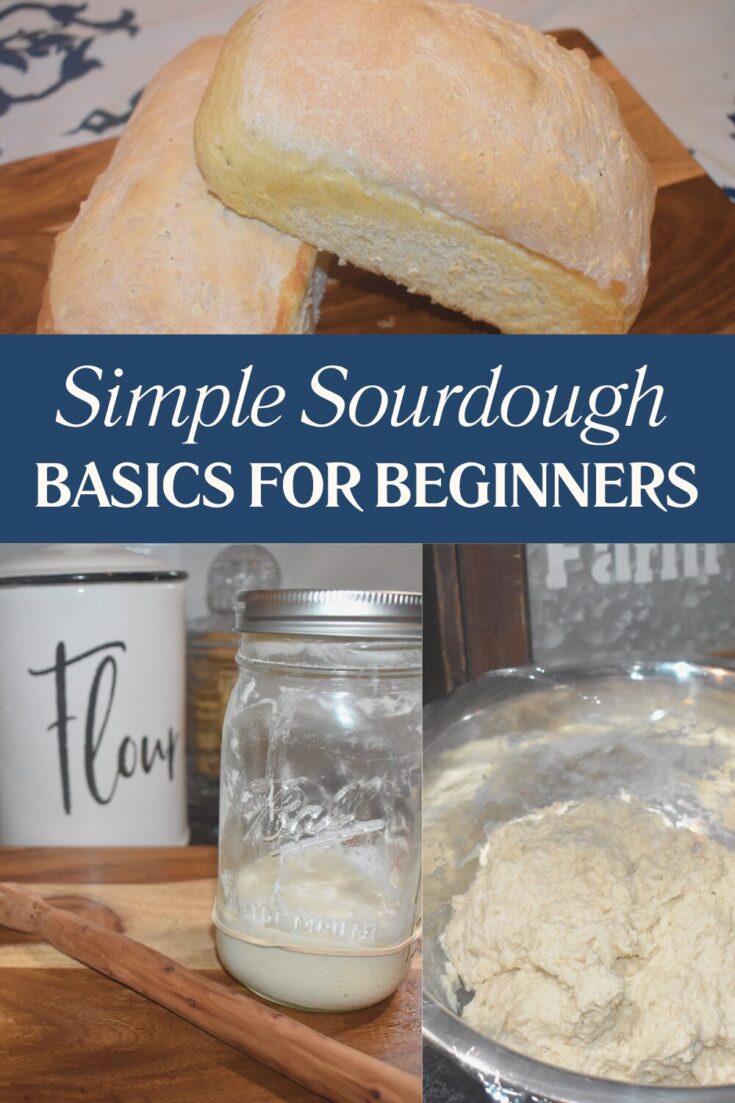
(320, 823)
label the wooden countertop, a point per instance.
(69, 1034)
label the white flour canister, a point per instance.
(92, 699)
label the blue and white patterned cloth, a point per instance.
(71, 72)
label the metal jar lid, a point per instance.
(373, 613)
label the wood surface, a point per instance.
(325, 1066)
(476, 614)
(445, 659)
(70, 1034)
(692, 273)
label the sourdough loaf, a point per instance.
(468, 157)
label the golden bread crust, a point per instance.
(439, 106)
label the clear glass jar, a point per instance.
(212, 643)
(320, 826)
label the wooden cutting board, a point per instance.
(67, 1033)
(692, 275)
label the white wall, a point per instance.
(356, 566)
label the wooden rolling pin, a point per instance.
(328, 1068)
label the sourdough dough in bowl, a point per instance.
(597, 937)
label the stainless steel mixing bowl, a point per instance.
(516, 740)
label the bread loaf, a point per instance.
(465, 156)
(153, 251)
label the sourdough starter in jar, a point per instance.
(320, 833)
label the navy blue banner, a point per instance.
(367, 439)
